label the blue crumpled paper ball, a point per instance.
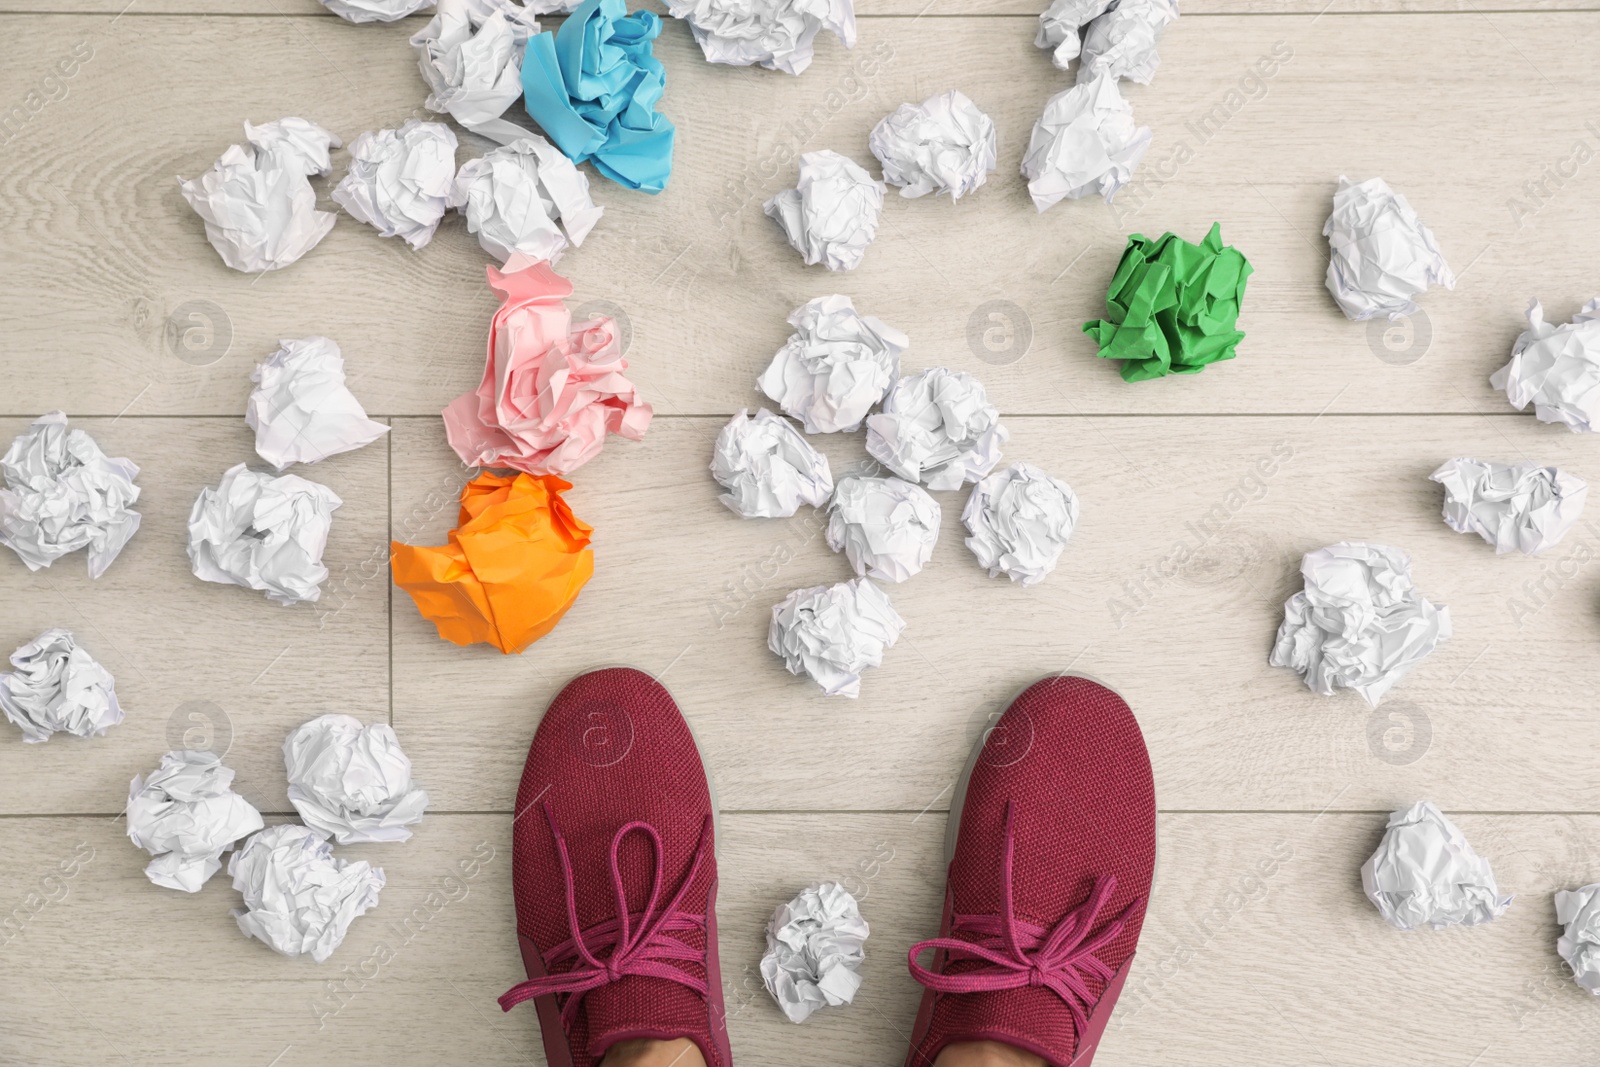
(593, 86)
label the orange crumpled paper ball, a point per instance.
(515, 563)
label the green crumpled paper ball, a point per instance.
(1173, 307)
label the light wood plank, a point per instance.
(683, 589)
(1259, 948)
(107, 251)
(198, 664)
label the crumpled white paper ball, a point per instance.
(886, 527)
(62, 494)
(1122, 42)
(297, 897)
(1578, 912)
(1086, 142)
(777, 34)
(1380, 253)
(259, 209)
(1061, 24)
(301, 410)
(187, 815)
(815, 943)
(514, 197)
(470, 54)
(352, 781)
(57, 687)
(263, 532)
(834, 632)
(1511, 505)
(1019, 519)
(400, 181)
(942, 145)
(767, 468)
(1556, 369)
(831, 215)
(937, 428)
(359, 11)
(834, 367)
(1359, 623)
(1425, 873)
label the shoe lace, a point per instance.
(1012, 953)
(639, 943)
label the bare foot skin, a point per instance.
(985, 1054)
(677, 1053)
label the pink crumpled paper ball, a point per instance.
(552, 389)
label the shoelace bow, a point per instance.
(1013, 954)
(640, 943)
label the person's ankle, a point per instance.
(985, 1054)
(679, 1052)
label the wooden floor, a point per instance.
(1259, 947)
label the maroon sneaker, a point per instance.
(1052, 846)
(615, 874)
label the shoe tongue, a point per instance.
(635, 1006)
(1032, 1018)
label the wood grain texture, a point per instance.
(1199, 498)
(107, 252)
(1171, 591)
(197, 665)
(1259, 948)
